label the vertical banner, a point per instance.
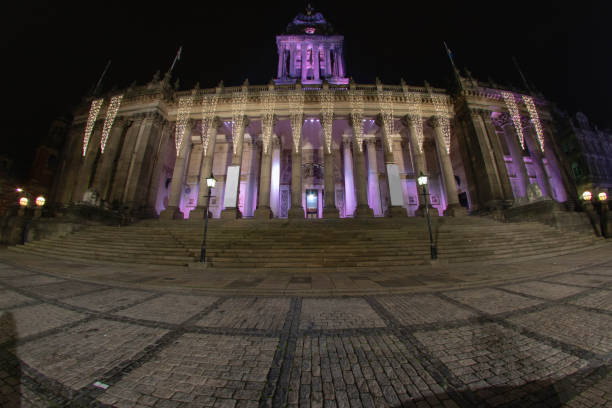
(231, 186)
(395, 185)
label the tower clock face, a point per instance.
(310, 30)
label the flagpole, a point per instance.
(522, 76)
(97, 87)
(455, 70)
(176, 58)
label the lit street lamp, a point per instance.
(422, 180)
(210, 183)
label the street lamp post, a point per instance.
(422, 180)
(210, 183)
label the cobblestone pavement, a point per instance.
(506, 339)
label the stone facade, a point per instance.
(311, 139)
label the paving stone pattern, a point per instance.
(541, 342)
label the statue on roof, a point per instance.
(310, 23)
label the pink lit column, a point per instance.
(178, 177)
(394, 210)
(199, 212)
(516, 151)
(234, 212)
(373, 177)
(349, 181)
(263, 210)
(296, 210)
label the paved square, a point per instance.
(249, 313)
(169, 308)
(489, 355)
(419, 309)
(368, 370)
(30, 280)
(109, 299)
(29, 320)
(338, 314)
(203, 369)
(82, 354)
(601, 299)
(492, 301)
(583, 280)
(8, 298)
(598, 396)
(588, 330)
(9, 271)
(63, 289)
(544, 289)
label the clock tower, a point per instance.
(309, 50)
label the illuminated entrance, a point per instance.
(312, 203)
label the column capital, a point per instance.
(411, 119)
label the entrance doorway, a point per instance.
(312, 203)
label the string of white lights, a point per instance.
(182, 120)
(385, 101)
(267, 120)
(444, 117)
(94, 109)
(514, 114)
(356, 99)
(296, 105)
(209, 108)
(327, 114)
(535, 119)
(111, 113)
(239, 100)
(415, 113)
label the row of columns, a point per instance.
(335, 70)
(358, 162)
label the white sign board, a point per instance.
(231, 186)
(395, 185)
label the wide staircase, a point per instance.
(315, 245)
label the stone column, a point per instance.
(373, 177)
(87, 163)
(134, 184)
(416, 137)
(233, 212)
(296, 210)
(328, 61)
(498, 154)
(315, 62)
(304, 55)
(453, 207)
(516, 151)
(292, 57)
(281, 55)
(489, 177)
(329, 185)
(393, 186)
(538, 156)
(362, 209)
(554, 155)
(178, 176)
(263, 210)
(199, 212)
(156, 170)
(102, 178)
(349, 179)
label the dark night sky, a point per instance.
(54, 53)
